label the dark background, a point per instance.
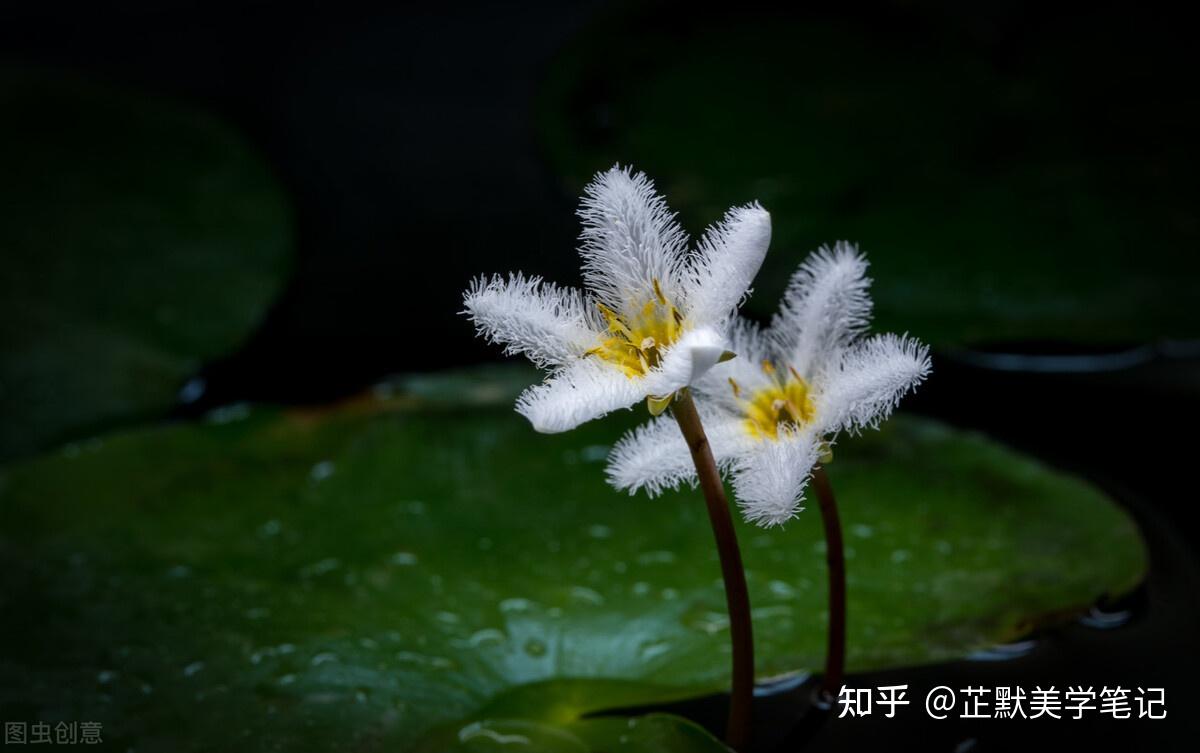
(405, 136)
(405, 139)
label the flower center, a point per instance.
(785, 403)
(635, 343)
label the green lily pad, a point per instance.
(141, 237)
(1037, 201)
(554, 713)
(653, 733)
(358, 577)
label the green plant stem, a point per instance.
(835, 652)
(737, 598)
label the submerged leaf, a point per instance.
(141, 237)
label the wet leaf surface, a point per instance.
(405, 565)
(653, 733)
(140, 238)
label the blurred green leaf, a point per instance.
(140, 238)
(1045, 197)
(357, 577)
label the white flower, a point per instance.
(652, 319)
(771, 413)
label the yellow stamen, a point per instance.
(784, 404)
(636, 340)
(613, 319)
(662, 299)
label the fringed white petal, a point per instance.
(725, 264)
(630, 238)
(868, 381)
(769, 482)
(826, 305)
(549, 324)
(655, 457)
(687, 360)
(586, 389)
(750, 346)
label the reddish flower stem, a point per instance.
(737, 598)
(835, 652)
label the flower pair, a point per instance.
(657, 318)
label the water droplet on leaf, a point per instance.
(535, 648)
